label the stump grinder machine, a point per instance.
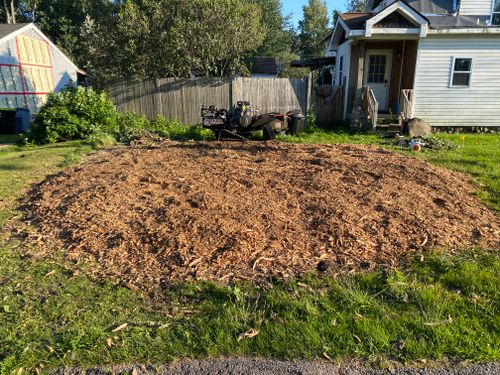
(242, 120)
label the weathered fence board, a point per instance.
(183, 98)
(328, 105)
(271, 94)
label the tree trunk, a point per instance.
(10, 14)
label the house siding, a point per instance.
(342, 77)
(441, 105)
(18, 90)
(475, 7)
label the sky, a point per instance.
(294, 7)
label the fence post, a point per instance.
(309, 93)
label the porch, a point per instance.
(382, 76)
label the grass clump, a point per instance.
(101, 140)
(423, 311)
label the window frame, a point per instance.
(453, 71)
(493, 12)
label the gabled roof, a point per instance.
(424, 6)
(356, 20)
(404, 9)
(6, 29)
(432, 7)
(388, 21)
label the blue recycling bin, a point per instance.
(22, 120)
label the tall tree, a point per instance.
(278, 29)
(180, 38)
(279, 38)
(61, 20)
(313, 28)
(355, 5)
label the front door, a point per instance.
(377, 75)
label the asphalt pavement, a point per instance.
(253, 366)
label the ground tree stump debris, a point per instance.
(153, 216)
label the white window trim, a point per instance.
(451, 85)
(493, 12)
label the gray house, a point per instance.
(438, 60)
(31, 66)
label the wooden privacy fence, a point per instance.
(327, 101)
(183, 98)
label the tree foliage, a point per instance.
(313, 28)
(159, 38)
(355, 5)
(175, 38)
(61, 20)
(279, 32)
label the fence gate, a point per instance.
(328, 105)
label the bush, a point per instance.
(84, 113)
(131, 125)
(74, 113)
(173, 129)
(101, 140)
(311, 122)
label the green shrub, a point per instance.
(84, 113)
(311, 122)
(173, 129)
(74, 113)
(131, 125)
(101, 140)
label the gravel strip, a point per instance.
(250, 366)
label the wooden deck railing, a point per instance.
(370, 106)
(406, 103)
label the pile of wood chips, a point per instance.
(252, 211)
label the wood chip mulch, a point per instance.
(153, 216)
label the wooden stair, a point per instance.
(388, 123)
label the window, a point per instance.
(462, 71)
(495, 15)
(376, 68)
(341, 69)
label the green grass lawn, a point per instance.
(53, 315)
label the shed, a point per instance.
(31, 66)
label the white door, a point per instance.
(378, 75)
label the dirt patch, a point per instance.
(232, 211)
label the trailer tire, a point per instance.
(268, 132)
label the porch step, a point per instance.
(386, 119)
(388, 127)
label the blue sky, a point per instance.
(295, 7)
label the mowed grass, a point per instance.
(22, 166)
(54, 315)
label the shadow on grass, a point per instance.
(13, 167)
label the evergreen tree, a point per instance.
(355, 5)
(313, 28)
